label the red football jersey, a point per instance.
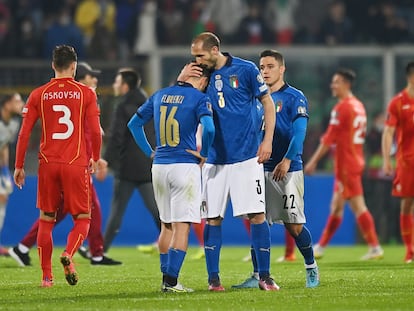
(346, 131)
(64, 107)
(400, 114)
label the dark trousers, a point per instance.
(123, 190)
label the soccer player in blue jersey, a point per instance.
(284, 171)
(177, 111)
(234, 167)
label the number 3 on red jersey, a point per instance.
(65, 120)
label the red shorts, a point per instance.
(59, 181)
(349, 185)
(403, 183)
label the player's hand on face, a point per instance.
(190, 70)
(310, 168)
(281, 169)
(19, 177)
(197, 155)
(264, 152)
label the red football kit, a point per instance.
(346, 131)
(64, 107)
(400, 115)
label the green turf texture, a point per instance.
(347, 283)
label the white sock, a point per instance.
(23, 248)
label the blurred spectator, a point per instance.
(146, 41)
(91, 14)
(280, 16)
(225, 16)
(127, 12)
(392, 28)
(373, 146)
(63, 31)
(252, 28)
(337, 28)
(28, 45)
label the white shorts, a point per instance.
(284, 199)
(242, 182)
(177, 191)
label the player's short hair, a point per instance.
(130, 77)
(409, 69)
(209, 40)
(6, 98)
(275, 54)
(346, 73)
(63, 56)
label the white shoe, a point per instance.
(374, 253)
(318, 251)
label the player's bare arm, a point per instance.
(310, 167)
(386, 143)
(265, 149)
(190, 70)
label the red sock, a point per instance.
(290, 244)
(77, 235)
(45, 246)
(199, 232)
(246, 223)
(331, 226)
(406, 229)
(367, 226)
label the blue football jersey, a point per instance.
(290, 104)
(233, 90)
(176, 111)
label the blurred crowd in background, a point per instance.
(120, 29)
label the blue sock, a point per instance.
(212, 248)
(304, 243)
(261, 245)
(254, 259)
(175, 261)
(163, 263)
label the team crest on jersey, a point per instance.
(301, 110)
(234, 81)
(278, 106)
(218, 84)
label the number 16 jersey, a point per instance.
(347, 129)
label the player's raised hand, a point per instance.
(197, 155)
(264, 152)
(19, 177)
(190, 70)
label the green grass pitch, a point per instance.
(346, 283)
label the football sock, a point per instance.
(77, 235)
(163, 262)
(246, 224)
(261, 244)
(331, 226)
(406, 229)
(254, 259)
(367, 226)
(304, 243)
(175, 261)
(45, 246)
(289, 244)
(212, 248)
(23, 248)
(199, 231)
(30, 238)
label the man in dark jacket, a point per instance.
(132, 169)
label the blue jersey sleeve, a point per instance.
(296, 143)
(208, 134)
(136, 127)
